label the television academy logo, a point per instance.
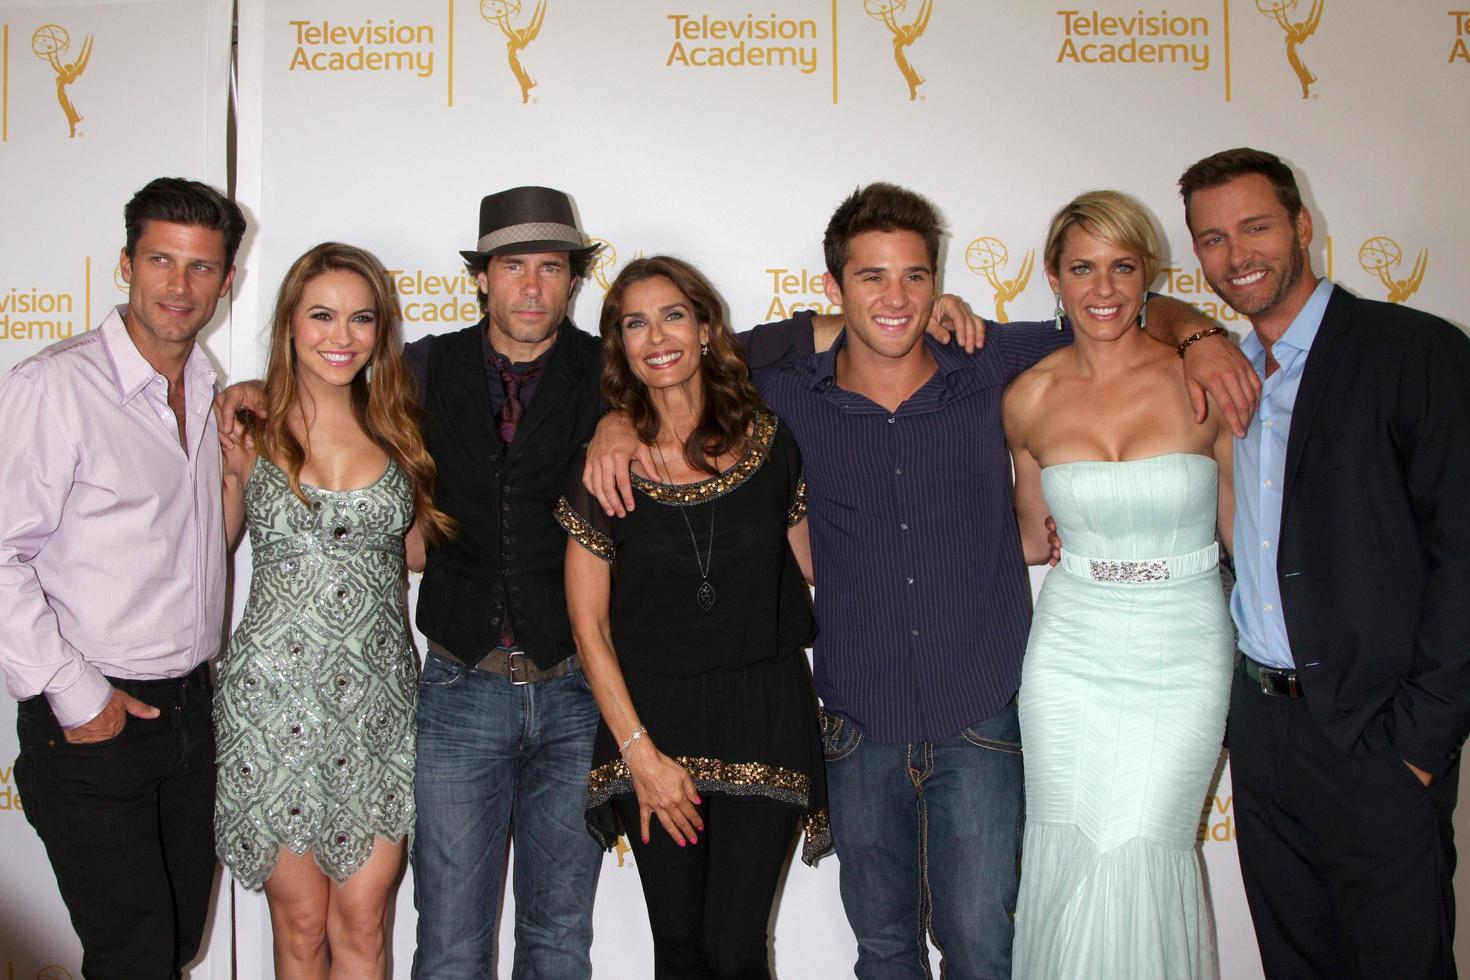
(1296, 32)
(988, 257)
(1382, 256)
(604, 262)
(904, 34)
(49, 43)
(503, 14)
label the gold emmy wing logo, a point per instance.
(988, 257)
(1296, 32)
(503, 13)
(1381, 256)
(603, 263)
(888, 12)
(49, 43)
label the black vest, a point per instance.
(507, 553)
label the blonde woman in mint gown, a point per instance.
(1126, 678)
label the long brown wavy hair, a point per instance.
(383, 392)
(730, 400)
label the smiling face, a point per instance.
(526, 300)
(662, 336)
(1101, 284)
(887, 292)
(333, 329)
(1252, 251)
(176, 276)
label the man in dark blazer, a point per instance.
(1352, 551)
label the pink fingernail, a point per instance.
(693, 839)
(697, 801)
(645, 840)
(681, 842)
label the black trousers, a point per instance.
(1348, 862)
(709, 903)
(128, 826)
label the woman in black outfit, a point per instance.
(690, 617)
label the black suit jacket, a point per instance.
(1374, 559)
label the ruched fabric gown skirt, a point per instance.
(1122, 705)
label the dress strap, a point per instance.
(1141, 571)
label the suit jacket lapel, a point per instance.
(1321, 360)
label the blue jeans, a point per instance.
(497, 758)
(928, 835)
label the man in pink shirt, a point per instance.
(112, 585)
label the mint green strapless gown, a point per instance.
(1123, 697)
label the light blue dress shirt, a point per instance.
(1260, 475)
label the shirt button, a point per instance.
(1269, 607)
(1265, 544)
(1267, 483)
(898, 470)
(914, 632)
(903, 527)
(1266, 424)
(891, 420)
(910, 580)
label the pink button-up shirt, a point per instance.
(112, 544)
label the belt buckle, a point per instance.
(511, 667)
(1279, 683)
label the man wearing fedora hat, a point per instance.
(505, 720)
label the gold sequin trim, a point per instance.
(685, 494)
(584, 533)
(797, 513)
(731, 778)
(715, 774)
(818, 842)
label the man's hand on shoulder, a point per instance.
(614, 447)
(247, 395)
(953, 318)
(110, 720)
(1215, 367)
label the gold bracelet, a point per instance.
(1192, 338)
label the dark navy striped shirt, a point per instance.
(922, 597)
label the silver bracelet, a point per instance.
(631, 741)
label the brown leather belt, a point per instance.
(1275, 681)
(514, 664)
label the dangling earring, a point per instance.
(1143, 315)
(704, 350)
(367, 373)
(1059, 311)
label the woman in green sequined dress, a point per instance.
(314, 712)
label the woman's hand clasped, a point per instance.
(664, 789)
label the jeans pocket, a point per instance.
(1000, 733)
(441, 671)
(840, 737)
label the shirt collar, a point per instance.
(950, 357)
(131, 369)
(1304, 326)
(489, 353)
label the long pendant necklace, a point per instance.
(705, 594)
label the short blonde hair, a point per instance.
(1112, 216)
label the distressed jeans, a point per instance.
(496, 758)
(928, 835)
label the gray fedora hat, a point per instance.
(527, 220)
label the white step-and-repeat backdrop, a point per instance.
(96, 99)
(724, 131)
